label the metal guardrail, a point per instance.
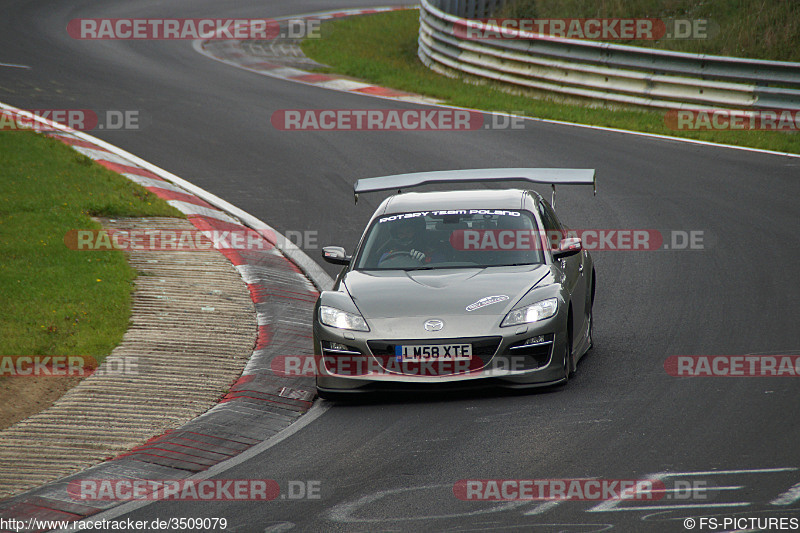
(471, 9)
(599, 71)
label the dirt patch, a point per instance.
(23, 397)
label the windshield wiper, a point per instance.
(442, 267)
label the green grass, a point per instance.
(746, 28)
(57, 301)
(382, 49)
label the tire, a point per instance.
(591, 328)
(591, 316)
(569, 358)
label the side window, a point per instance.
(553, 228)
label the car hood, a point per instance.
(426, 293)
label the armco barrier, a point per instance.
(599, 71)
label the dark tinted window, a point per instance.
(553, 227)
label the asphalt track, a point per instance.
(391, 465)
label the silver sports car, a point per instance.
(451, 289)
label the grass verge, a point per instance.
(382, 49)
(741, 28)
(57, 301)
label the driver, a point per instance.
(408, 236)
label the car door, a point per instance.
(572, 267)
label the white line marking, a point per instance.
(663, 507)
(343, 511)
(188, 208)
(543, 508)
(286, 72)
(613, 505)
(342, 85)
(150, 182)
(101, 155)
(13, 65)
(789, 497)
(721, 472)
(691, 489)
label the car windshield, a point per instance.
(468, 238)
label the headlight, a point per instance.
(336, 318)
(532, 313)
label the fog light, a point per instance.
(538, 339)
(336, 346)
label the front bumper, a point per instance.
(511, 364)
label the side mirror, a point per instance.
(336, 255)
(568, 247)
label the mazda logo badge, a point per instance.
(433, 325)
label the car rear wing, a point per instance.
(547, 176)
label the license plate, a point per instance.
(434, 352)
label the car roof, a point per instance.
(446, 200)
